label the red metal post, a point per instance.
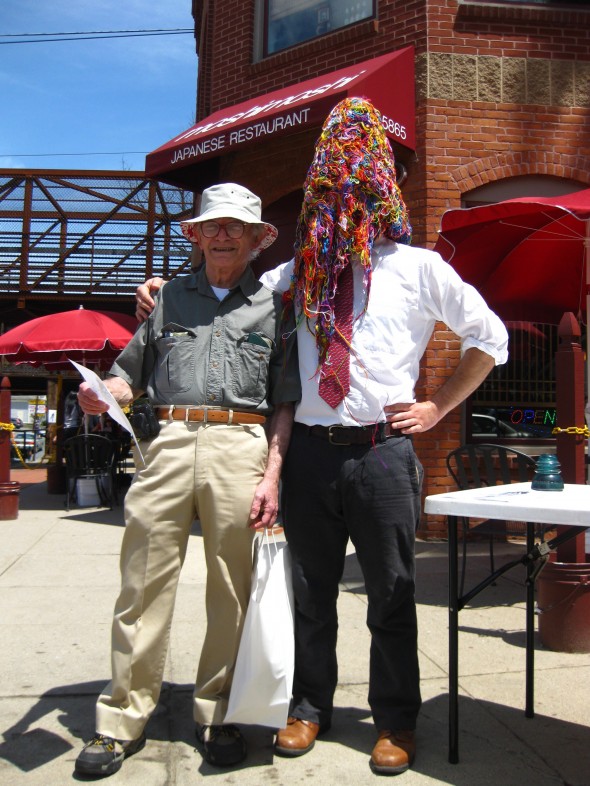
(569, 367)
(9, 489)
(5, 434)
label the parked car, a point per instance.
(30, 445)
(489, 426)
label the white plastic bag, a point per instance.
(263, 675)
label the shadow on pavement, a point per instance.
(485, 728)
(432, 576)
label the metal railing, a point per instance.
(100, 234)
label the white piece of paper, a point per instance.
(104, 394)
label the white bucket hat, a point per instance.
(230, 200)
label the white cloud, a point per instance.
(9, 162)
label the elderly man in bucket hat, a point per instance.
(221, 380)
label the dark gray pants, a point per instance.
(370, 494)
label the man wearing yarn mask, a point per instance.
(366, 305)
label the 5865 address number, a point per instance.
(393, 127)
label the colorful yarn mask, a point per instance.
(351, 197)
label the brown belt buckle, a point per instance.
(330, 437)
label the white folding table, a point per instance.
(513, 502)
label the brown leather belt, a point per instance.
(354, 435)
(208, 415)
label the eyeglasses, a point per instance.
(234, 229)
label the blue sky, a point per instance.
(121, 96)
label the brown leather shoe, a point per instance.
(394, 752)
(297, 738)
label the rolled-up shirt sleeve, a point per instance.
(461, 307)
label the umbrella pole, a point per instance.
(85, 415)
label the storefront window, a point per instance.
(289, 22)
(517, 400)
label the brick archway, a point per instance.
(497, 167)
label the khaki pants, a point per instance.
(193, 470)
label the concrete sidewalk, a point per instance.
(58, 582)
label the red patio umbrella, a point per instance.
(89, 337)
(526, 256)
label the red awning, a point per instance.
(388, 81)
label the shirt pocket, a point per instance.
(250, 377)
(175, 367)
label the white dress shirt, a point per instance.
(411, 290)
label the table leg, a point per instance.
(453, 642)
(530, 628)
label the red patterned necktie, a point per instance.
(335, 371)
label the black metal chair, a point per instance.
(480, 465)
(90, 458)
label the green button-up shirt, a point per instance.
(195, 350)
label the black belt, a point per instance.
(353, 435)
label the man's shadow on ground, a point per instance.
(28, 746)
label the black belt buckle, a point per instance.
(381, 432)
(331, 433)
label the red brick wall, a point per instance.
(234, 76)
(466, 144)
(510, 31)
(462, 143)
